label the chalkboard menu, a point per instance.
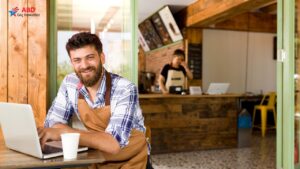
(195, 60)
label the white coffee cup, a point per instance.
(70, 143)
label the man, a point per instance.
(106, 104)
(173, 74)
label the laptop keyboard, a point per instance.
(50, 149)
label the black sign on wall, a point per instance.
(195, 60)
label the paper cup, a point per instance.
(70, 143)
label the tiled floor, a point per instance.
(260, 155)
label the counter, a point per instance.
(191, 122)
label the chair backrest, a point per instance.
(269, 98)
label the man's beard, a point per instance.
(89, 82)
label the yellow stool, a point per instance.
(270, 98)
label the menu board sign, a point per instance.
(158, 30)
(195, 60)
(170, 24)
(161, 29)
(143, 42)
(150, 35)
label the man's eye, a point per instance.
(76, 60)
(90, 57)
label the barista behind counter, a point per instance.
(173, 74)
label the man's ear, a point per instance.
(102, 58)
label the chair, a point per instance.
(148, 134)
(267, 104)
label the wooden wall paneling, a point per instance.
(260, 22)
(194, 35)
(37, 59)
(3, 50)
(17, 54)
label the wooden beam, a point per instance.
(251, 21)
(270, 9)
(37, 60)
(206, 12)
(194, 35)
(3, 51)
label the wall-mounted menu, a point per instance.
(195, 60)
(159, 29)
(170, 24)
(143, 42)
(150, 35)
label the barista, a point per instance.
(173, 74)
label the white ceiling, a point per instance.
(79, 15)
(148, 7)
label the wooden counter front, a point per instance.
(190, 122)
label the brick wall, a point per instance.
(153, 61)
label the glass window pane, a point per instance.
(110, 20)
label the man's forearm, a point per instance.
(162, 87)
(98, 140)
(188, 72)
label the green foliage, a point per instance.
(63, 69)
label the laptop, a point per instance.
(20, 132)
(218, 88)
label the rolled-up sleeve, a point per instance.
(121, 121)
(61, 109)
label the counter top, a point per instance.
(148, 96)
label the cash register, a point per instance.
(175, 89)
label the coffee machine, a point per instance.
(147, 80)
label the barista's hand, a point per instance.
(50, 134)
(165, 92)
(183, 64)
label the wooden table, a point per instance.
(12, 159)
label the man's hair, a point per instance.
(179, 52)
(82, 39)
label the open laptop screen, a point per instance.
(20, 132)
(218, 88)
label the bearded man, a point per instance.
(105, 103)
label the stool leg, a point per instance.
(263, 121)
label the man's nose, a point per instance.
(84, 64)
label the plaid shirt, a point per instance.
(125, 110)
